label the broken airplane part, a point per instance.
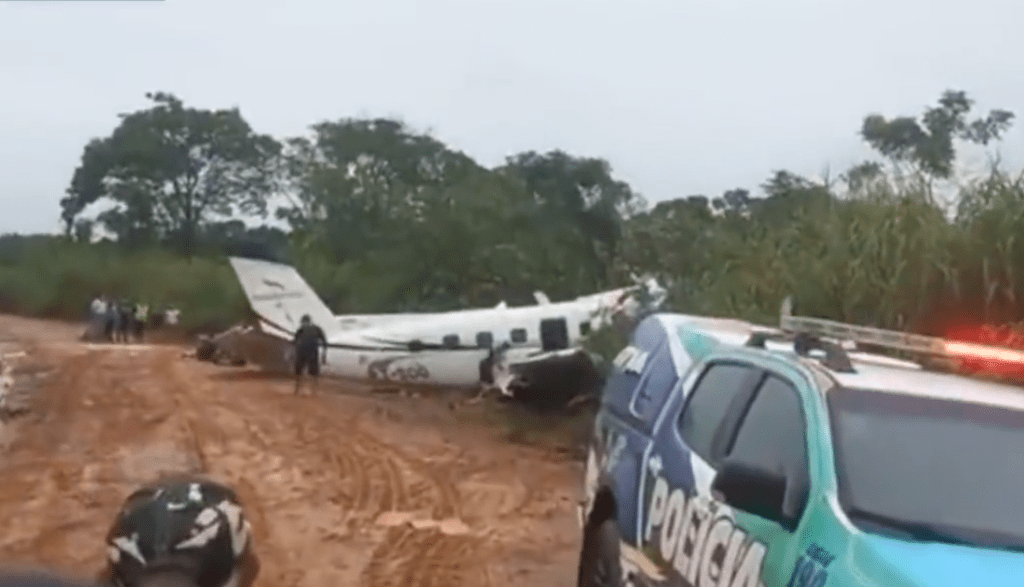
(528, 352)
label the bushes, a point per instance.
(58, 279)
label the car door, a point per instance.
(640, 383)
(772, 435)
(674, 498)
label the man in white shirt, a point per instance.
(141, 320)
(99, 306)
(97, 318)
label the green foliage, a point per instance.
(167, 169)
(604, 344)
(384, 218)
(58, 278)
(928, 144)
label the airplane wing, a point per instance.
(551, 378)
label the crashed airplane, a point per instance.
(529, 352)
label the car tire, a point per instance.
(599, 558)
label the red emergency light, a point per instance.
(969, 350)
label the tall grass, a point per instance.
(58, 279)
(886, 255)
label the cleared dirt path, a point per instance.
(343, 489)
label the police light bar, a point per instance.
(894, 339)
(981, 351)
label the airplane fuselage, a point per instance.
(462, 348)
(453, 346)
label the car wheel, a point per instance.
(599, 557)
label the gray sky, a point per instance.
(681, 96)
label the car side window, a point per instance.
(708, 404)
(773, 435)
(659, 381)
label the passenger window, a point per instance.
(708, 404)
(584, 328)
(484, 340)
(450, 341)
(518, 335)
(773, 436)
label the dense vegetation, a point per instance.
(381, 217)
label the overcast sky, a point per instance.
(682, 97)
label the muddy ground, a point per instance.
(345, 488)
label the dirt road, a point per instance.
(343, 489)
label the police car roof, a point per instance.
(933, 384)
(727, 330)
(872, 372)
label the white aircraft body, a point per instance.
(497, 346)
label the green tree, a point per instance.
(787, 195)
(169, 168)
(578, 206)
(928, 144)
(357, 184)
(422, 226)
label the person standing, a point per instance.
(97, 318)
(110, 320)
(125, 313)
(141, 317)
(171, 316)
(306, 346)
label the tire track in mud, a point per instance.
(352, 468)
(447, 503)
(367, 480)
(432, 559)
(369, 469)
(49, 478)
(421, 557)
(77, 452)
(204, 436)
(372, 475)
(370, 490)
(371, 478)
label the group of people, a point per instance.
(121, 320)
(180, 531)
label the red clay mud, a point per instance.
(342, 488)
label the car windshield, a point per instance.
(930, 469)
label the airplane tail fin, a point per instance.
(280, 296)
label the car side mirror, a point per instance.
(753, 489)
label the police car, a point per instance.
(730, 455)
